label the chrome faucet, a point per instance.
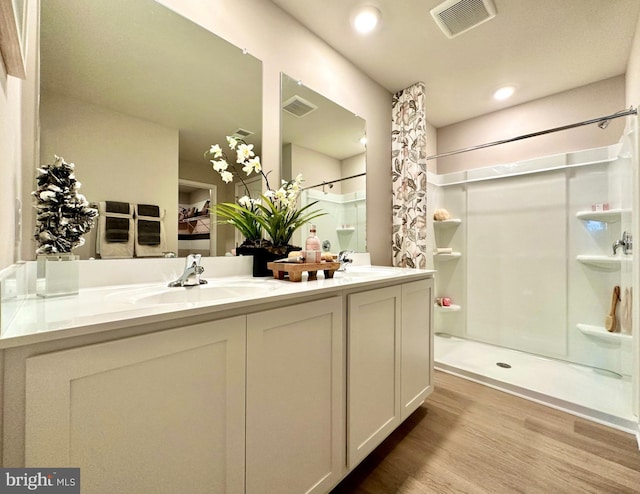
(344, 259)
(626, 242)
(192, 272)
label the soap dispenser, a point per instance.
(313, 245)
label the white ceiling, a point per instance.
(541, 46)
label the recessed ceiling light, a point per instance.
(366, 19)
(504, 93)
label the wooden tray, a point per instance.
(294, 270)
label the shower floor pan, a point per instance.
(601, 396)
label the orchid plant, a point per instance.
(275, 212)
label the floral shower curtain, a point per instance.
(408, 154)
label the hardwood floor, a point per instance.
(469, 438)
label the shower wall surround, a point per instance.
(344, 225)
(516, 252)
(519, 281)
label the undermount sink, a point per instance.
(211, 292)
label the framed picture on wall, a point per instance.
(12, 36)
(194, 220)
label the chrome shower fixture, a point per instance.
(604, 124)
(327, 184)
(626, 242)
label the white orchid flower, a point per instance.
(232, 142)
(226, 176)
(219, 165)
(245, 202)
(281, 195)
(255, 163)
(216, 151)
(244, 151)
(247, 168)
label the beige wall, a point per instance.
(315, 168)
(267, 33)
(117, 157)
(353, 166)
(633, 72)
(579, 104)
(432, 146)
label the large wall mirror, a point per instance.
(326, 143)
(134, 94)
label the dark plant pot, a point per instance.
(264, 255)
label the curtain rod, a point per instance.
(601, 120)
(334, 181)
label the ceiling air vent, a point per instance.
(241, 134)
(458, 16)
(298, 107)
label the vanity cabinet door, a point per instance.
(295, 398)
(161, 413)
(416, 362)
(373, 370)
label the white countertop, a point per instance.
(114, 307)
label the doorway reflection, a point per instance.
(196, 224)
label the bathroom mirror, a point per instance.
(326, 144)
(134, 94)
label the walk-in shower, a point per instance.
(528, 264)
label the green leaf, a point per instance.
(281, 223)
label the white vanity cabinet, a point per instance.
(416, 340)
(162, 412)
(390, 356)
(284, 396)
(295, 398)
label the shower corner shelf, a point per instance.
(609, 263)
(447, 257)
(346, 229)
(450, 308)
(447, 223)
(609, 216)
(602, 334)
